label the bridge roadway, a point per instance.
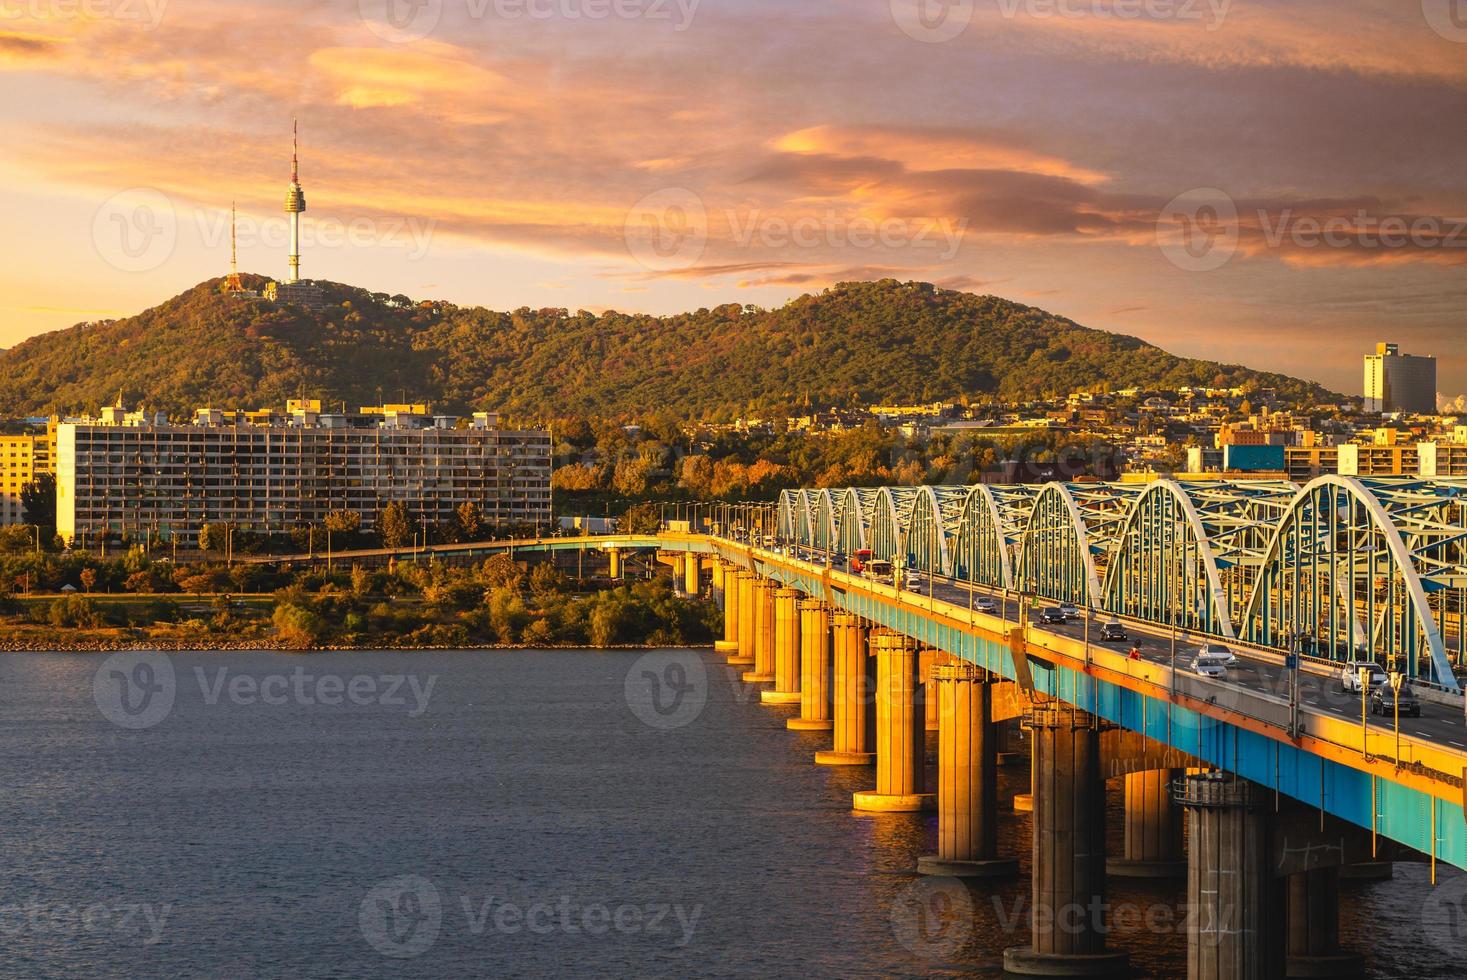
(1441, 721)
(1405, 787)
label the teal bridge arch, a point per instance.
(1371, 568)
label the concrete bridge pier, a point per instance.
(1008, 749)
(1235, 924)
(613, 557)
(1067, 924)
(692, 574)
(1024, 802)
(852, 687)
(967, 777)
(763, 639)
(741, 598)
(725, 593)
(1312, 944)
(786, 649)
(901, 757)
(1153, 832)
(815, 668)
(716, 569)
(930, 657)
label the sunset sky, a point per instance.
(1276, 183)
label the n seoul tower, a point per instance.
(295, 203)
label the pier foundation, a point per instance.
(900, 756)
(1067, 925)
(815, 668)
(852, 693)
(1234, 929)
(1153, 832)
(786, 649)
(763, 645)
(967, 777)
(1312, 942)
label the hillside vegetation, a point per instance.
(855, 342)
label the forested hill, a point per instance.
(871, 341)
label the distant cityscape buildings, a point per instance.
(1396, 382)
(23, 457)
(274, 471)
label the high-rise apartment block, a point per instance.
(1396, 382)
(271, 471)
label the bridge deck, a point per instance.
(1407, 788)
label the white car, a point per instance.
(1350, 675)
(915, 580)
(1070, 610)
(1209, 665)
(1220, 651)
(984, 604)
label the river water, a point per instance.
(521, 813)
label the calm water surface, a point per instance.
(523, 816)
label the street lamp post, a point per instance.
(1397, 678)
(1364, 675)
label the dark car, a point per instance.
(1383, 701)
(1052, 616)
(1113, 633)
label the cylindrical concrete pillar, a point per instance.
(786, 649)
(967, 777)
(614, 557)
(763, 645)
(1010, 751)
(900, 758)
(1067, 924)
(1312, 943)
(852, 693)
(1234, 930)
(692, 574)
(744, 583)
(716, 569)
(815, 668)
(1153, 832)
(928, 658)
(1024, 802)
(726, 592)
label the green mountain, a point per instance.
(866, 341)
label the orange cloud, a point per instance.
(919, 149)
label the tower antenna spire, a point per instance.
(295, 203)
(232, 283)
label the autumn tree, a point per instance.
(38, 503)
(395, 525)
(343, 521)
(470, 520)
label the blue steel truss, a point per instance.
(1368, 568)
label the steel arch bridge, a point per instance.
(1372, 568)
